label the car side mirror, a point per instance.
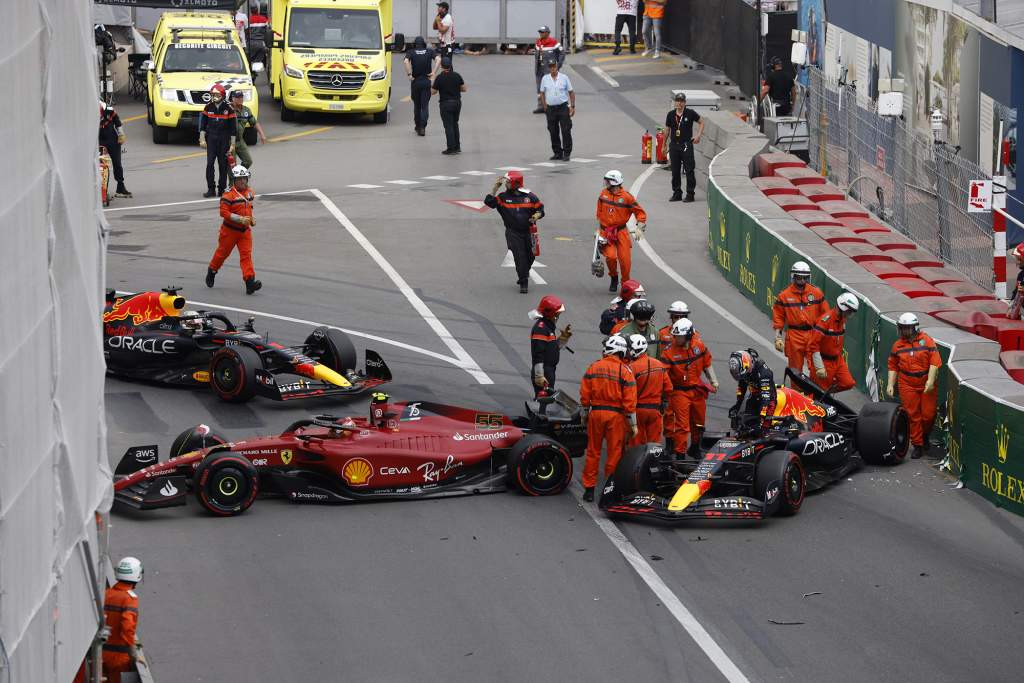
(148, 65)
(257, 67)
(398, 43)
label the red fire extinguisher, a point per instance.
(646, 144)
(535, 238)
(661, 150)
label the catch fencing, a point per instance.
(918, 186)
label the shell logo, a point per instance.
(357, 472)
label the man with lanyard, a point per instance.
(545, 345)
(244, 118)
(217, 131)
(625, 14)
(445, 27)
(235, 230)
(614, 208)
(679, 125)
(519, 209)
(780, 86)
(914, 361)
(421, 64)
(558, 100)
(545, 51)
(112, 137)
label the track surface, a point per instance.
(911, 580)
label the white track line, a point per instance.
(670, 600)
(465, 361)
(645, 245)
(537, 279)
(314, 323)
(194, 201)
(603, 75)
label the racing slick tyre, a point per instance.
(539, 466)
(333, 348)
(233, 373)
(780, 482)
(882, 433)
(193, 439)
(638, 470)
(226, 484)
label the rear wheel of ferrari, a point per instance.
(539, 466)
(780, 482)
(195, 438)
(883, 433)
(226, 484)
(233, 373)
(333, 348)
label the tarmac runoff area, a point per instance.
(890, 575)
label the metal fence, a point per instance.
(919, 187)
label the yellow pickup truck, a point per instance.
(191, 52)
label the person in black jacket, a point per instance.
(679, 127)
(421, 65)
(545, 345)
(631, 289)
(751, 372)
(519, 209)
(217, 129)
(112, 137)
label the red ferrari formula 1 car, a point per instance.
(405, 450)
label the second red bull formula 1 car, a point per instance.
(149, 336)
(814, 440)
(405, 450)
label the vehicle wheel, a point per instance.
(233, 373)
(382, 116)
(333, 348)
(160, 134)
(539, 466)
(287, 115)
(638, 470)
(249, 136)
(193, 439)
(780, 482)
(149, 113)
(226, 484)
(883, 433)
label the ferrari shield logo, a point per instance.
(286, 457)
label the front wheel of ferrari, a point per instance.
(226, 484)
(539, 466)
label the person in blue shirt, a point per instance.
(558, 99)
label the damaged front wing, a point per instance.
(654, 507)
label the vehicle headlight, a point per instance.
(292, 72)
(379, 75)
(169, 94)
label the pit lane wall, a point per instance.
(54, 478)
(753, 243)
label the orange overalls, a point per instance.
(665, 339)
(613, 212)
(232, 233)
(608, 390)
(827, 339)
(911, 360)
(653, 388)
(798, 310)
(121, 608)
(689, 399)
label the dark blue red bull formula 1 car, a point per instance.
(753, 473)
(150, 336)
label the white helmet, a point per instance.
(129, 569)
(613, 177)
(239, 171)
(682, 328)
(637, 345)
(679, 308)
(615, 345)
(800, 268)
(847, 302)
(908, 320)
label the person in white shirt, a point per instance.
(445, 27)
(625, 14)
(559, 101)
(241, 23)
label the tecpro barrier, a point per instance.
(753, 243)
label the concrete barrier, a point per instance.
(753, 242)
